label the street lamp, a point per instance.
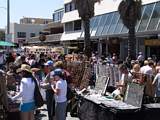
(8, 17)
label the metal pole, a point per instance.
(8, 17)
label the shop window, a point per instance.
(101, 24)
(32, 34)
(95, 25)
(124, 29)
(73, 7)
(107, 24)
(92, 20)
(69, 7)
(57, 16)
(69, 26)
(145, 17)
(21, 34)
(77, 25)
(113, 23)
(119, 27)
(155, 17)
(142, 11)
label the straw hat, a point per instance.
(35, 69)
(24, 67)
(58, 64)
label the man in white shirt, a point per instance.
(59, 86)
(149, 68)
(148, 72)
(140, 56)
(144, 66)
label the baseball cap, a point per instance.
(56, 72)
(49, 63)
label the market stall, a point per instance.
(101, 104)
(9, 110)
(95, 106)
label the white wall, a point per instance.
(28, 28)
(105, 6)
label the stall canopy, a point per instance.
(5, 43)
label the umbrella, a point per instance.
(5, 43)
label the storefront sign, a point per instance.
(153, 42)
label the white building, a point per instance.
(108, 34)
(20, 33)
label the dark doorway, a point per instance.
(152, 51)
(114, 48)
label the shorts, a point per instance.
(27, 107)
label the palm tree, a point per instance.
(130, 13)
(86, 11)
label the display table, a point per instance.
(13, 110)
(151, 111)
(97, 107)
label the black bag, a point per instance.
(37, 95)
(70, 93)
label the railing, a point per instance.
(49, 38)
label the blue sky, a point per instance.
(28, 8)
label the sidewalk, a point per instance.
(44, 116)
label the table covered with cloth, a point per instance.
(98, 107)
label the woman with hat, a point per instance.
(59, 86)
(26, 93)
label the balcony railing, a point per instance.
(49, 38)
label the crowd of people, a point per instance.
(51, 76)
(140, 71)
(53, 79)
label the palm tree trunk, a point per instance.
(87, 41)
(132, 42)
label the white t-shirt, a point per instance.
(62, 85)
(148, 70)
(143, 69)
(157, 79)
(27, 87)
(140, 58)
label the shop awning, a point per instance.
(5, 43)
(70, 16)
(70, 36)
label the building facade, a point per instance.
(20, 33)
(108, 34)
(57, 15)
(55, 30)
(28, 20)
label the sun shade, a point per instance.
(5, 43)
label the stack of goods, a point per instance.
(86, 76)
(3, 96)
(13, 106)
(76, 70)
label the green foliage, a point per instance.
(130, 11)
(85, 8)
